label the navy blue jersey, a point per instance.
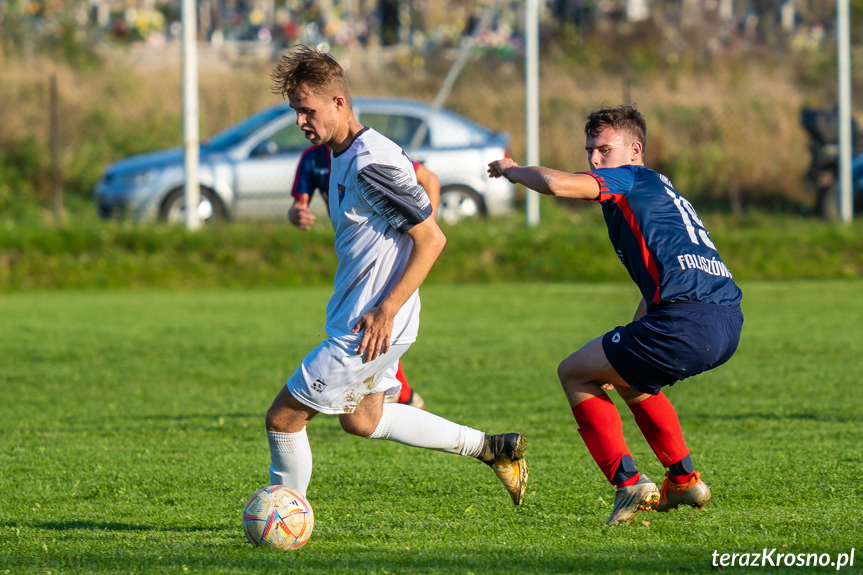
(660, 239)
(313, 173)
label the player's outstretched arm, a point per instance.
(377, 323)
(545, 180)
(299, 213)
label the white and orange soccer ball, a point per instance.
(279, 517)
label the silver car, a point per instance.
(246, 171)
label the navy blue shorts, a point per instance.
(675, 341)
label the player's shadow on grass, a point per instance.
(110, 526)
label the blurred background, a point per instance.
(724, 84)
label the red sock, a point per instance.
(657, 420)
(602, 431)
(681, 479)
(405, 395)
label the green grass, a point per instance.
(570, 245)
(131, 434)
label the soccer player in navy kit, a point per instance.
(688, 320)
(313, 173)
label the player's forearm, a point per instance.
(427, 246)
(554, 182)
(532, 177)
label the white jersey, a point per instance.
(374, 199)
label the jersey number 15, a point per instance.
(687, 212)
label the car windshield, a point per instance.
(239, 132)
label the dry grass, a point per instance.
(707, 133)
(712, 132)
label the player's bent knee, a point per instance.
(278, 418)
(561, 372)
(271, 421)
(566, 372)
(276, 413)
(287, 415)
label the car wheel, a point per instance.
(458, 203)
(210, 208)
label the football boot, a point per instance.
(693, 493)
(505, 454)
(632, 500)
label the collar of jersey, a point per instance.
(336, 155)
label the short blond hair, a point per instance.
(304, 68)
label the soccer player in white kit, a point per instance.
(386, 244)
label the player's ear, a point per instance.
(636, 151)
(339, 102)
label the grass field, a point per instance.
(131, 434)
(570, 246)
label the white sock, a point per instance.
(291, 457)
(419, 428)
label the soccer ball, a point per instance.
(279, 517)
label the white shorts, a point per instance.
(333, 379)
